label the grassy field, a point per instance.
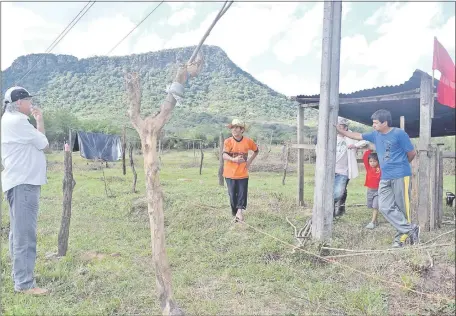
(219, 267)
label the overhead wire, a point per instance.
(150, 13)
(62, 35)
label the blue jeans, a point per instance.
(340, 185)
(23, 203)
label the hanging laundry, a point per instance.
(98, 146)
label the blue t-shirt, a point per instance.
(392, 149)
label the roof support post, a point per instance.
(425, 155)
(300, 133)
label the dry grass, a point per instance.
(218, 267)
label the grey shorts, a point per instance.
(372, 198)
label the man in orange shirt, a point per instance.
(235, 170)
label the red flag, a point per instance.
(443, 63)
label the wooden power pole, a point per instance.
(322, 215)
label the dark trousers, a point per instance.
(237, 189)
(339, 206)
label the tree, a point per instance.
(149, 130)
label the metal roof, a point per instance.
(443, 123)
(413, 83)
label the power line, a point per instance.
(135, 28)
(49, 48)
(60, 37)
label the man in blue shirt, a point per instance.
(395, 152)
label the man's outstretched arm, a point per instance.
(352, 135)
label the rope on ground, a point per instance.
(432, 296)
(374, 252)
(451, 231)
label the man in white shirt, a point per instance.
(24, 164)
(346, 167)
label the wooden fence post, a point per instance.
(68, 186)
(286, 154)
(433, 211)
(439, 185)
(132, 165)
(202, 157)
(414, 196)
(124, 148)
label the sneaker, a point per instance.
(371, 225)
(397, 244)
(415, 236)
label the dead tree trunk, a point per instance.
(68, 186)
(149, 130)
(132, 165)
(124, 148)
(220, 172)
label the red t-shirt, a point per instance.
(372, 174)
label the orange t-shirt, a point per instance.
(234, 148)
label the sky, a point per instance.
(279, 43)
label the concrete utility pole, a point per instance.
(322, 215)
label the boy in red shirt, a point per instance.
(236, 167)
(372, 182)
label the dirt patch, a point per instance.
(449, 167)
(271, 257)
(189, 165)
(138, 210)
(440, 276)
(54, 166)
(92, 255)
(113, 179)
(266, 167)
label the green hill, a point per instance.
(91, 92)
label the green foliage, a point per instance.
(57, 124)
(93, 91)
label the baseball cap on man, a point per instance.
(15, 93)
(342, 121)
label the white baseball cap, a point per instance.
(342, 121)
(15, 93)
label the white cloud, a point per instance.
(175, 5)
(405, 35)
(149, 43)
(382, 13)
(34, 32)
(98, 37)
(288, 84)
(402, 40)
(181, 17)
(244, 32)
(346, 8)
(353, 81)
(299, 38)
